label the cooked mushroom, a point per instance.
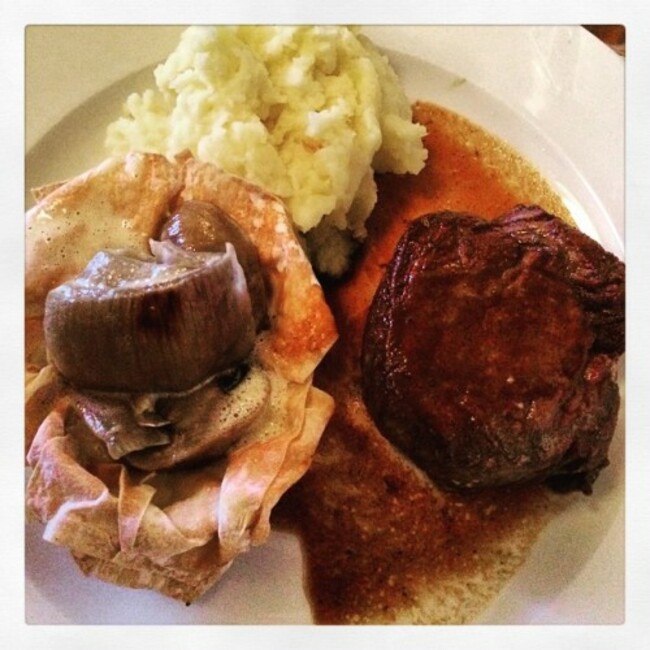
(205, 423)
(202, 226)
(139, 324)
(112, 420)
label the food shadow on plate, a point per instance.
(536, 597)
(63, 595)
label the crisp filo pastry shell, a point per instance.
(174, 531)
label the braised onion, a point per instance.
(202, 226)
(161, 323)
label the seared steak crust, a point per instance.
(490, 350)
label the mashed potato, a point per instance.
(309, 113)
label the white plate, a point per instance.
(556, 94)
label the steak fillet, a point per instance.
(490, 350)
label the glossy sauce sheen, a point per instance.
(382, 543)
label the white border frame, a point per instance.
(634, 15)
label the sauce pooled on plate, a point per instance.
(382, 543)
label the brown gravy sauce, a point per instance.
(381, 543)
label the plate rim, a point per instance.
(382, 43)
